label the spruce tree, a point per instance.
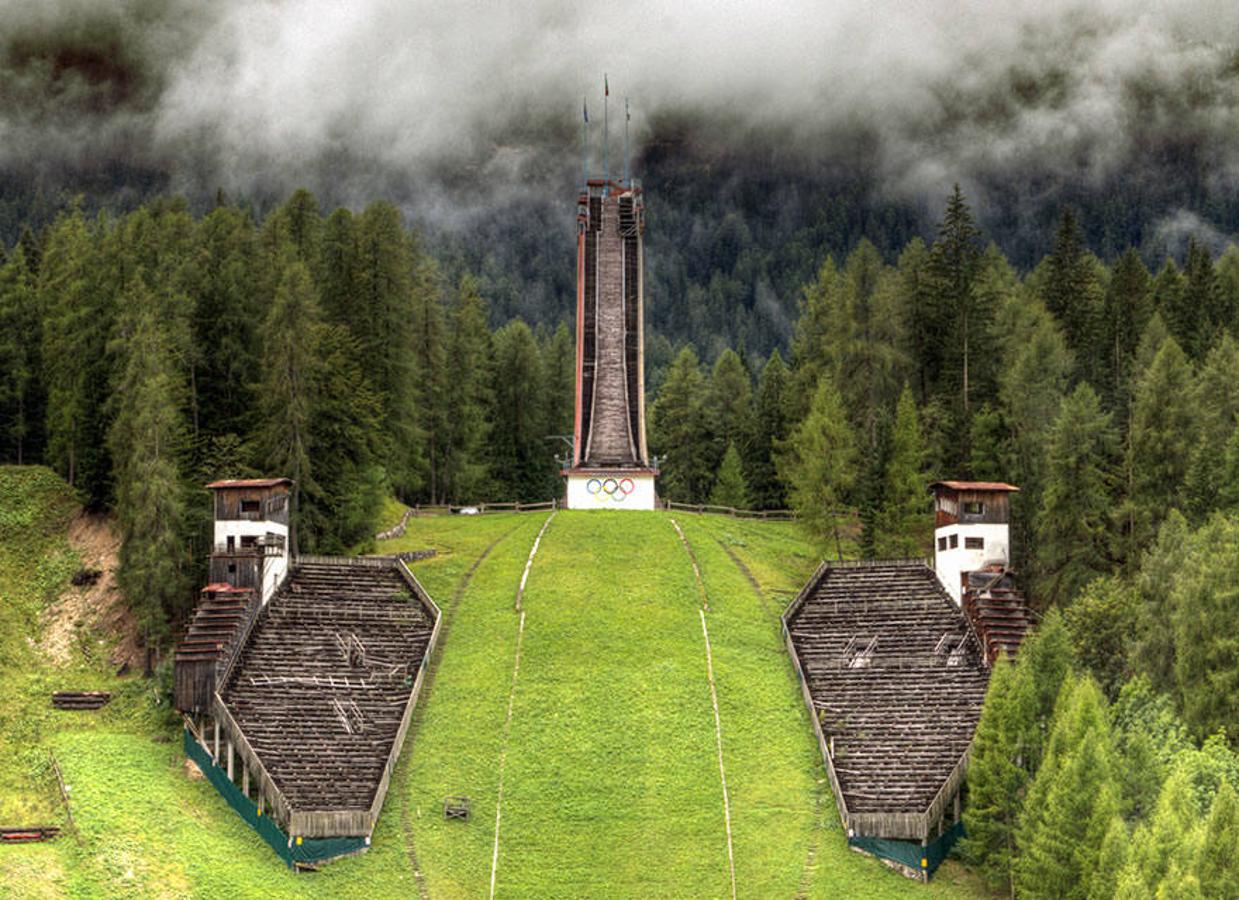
(340, 266)
(225, 324)
(1217, 866)
(1073, 293)
(1228, 288)
(1195, 320)
(681, 432)
(1205, 617)
(1163, 433)
(1072, 799)
(729, 487)
(996, 782)
(770, 426)
(730, 404)
(1073, 525)
(1103, 620)
(1159, 572)
(464, 469)
(523, 460)
(1216, 400)
(810, 343)
(903, 518)
(1111, 861)
(19, 360)
(1127, 308)
(289, 375)
(147, 440)
(1168, 839)
(76, 323)
(818, 464)
(1228, 480)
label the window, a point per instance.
(954, 541)
(974, 508)
(942, 543)
(250, 506)
(248, 541)
(974, 543)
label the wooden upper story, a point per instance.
(972, 502)
(252, 499)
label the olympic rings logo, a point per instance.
(613, 490)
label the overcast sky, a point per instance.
(350, 96)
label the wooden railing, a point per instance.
(778, 515)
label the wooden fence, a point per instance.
(777, 515)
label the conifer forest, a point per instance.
(821, 339)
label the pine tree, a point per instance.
(818, 464)
(341, 276)
(810, 347)
(1102, 620)
(1217, 866)
(996, 782)
(1169, 289)
(19, 360)
(147, 439)
(1194, 321)
(1159, 572)
(729, 487)
(730, 403)
(1205, 618)
(1041, 671)
(902, 516)
(1216, 400)
(399, 324)
(1073, 294)
(560, 357)
(523, 461)
(681, 432)
(1071, 801)
(1167, 840)
(224, 328)
(464, 470)
(1128, 306)
(1111, 861)
(289, 374)
(1228, 481)
(1163, 433)
(76, 323)
(770, 427)
(1228, 288)
(1073, 526)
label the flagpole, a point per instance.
(627, 117)
(606, 150)
(584, 144)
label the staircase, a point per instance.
(221, 612)
(998, 612)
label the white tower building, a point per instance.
(251, 547)
(972, 529)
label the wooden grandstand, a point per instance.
(895, 678)
(311, 710)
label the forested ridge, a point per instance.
(145, 354)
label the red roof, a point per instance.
(222, 587)
(248, 483)
(975, 486)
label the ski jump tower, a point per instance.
(610, 466)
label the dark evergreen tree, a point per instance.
(523, 460)
(903, 515)
(681, 432)
(289, 376)
(771, 424)
(729, 487)
(1102, 620)
(1127, 308)
(1073, 294)
(225, 324)
(20, 337)
(463, 472)
(1216, 402)
(1073, 526)
(818, 465)
(1163, 433)
(1205, 618)
(1197, 318)
(341, 276)
(147, 440)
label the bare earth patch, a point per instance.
(84, 615)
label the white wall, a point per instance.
(950, 563)
(611, 490)
(275, 566)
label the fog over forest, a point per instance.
(457, 106)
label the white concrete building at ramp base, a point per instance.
(972, 529)
(617, 489)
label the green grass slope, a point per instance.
(610, 771)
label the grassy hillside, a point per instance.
(610, 768)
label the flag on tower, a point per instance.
(606, 88)
(585, 110)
